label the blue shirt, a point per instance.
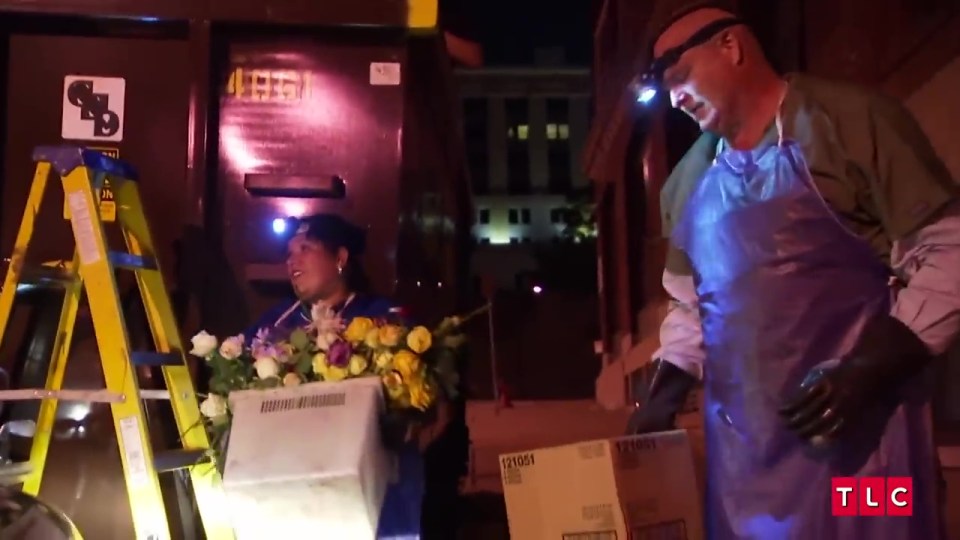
(400, 513)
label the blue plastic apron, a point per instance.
(784, 287)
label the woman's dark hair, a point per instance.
(334, 233)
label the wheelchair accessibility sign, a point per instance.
(108, 203)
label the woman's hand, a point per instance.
(425, 434)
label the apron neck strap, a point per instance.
(779, 117)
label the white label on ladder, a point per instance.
(133, 450)
(83, 227)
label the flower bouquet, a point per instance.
(417, 367)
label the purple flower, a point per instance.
(339, 354)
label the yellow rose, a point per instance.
(419, 340)
(357, 329)
(372, 339)
(407, 364)
(334, 374)
(384, 361)
(421, 394)
(390, 335)
(320, 363)
(358, 364)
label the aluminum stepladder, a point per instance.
(92, 271)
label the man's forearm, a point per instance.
(681, 340)
(929, 262)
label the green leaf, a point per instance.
(272, 382)
(454, 341)
(304, 362)
(299, 339)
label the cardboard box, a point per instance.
(307, 461)
(627, 488)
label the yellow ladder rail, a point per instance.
(92, 271)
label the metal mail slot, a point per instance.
(314, 187)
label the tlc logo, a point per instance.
(872, 496)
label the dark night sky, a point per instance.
(511, 29)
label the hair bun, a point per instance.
(356, 239)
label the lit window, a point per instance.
(551, 131)
(523, 131)
(564, 131)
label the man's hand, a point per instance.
(833, 399)
(669, 388)
(829, 399)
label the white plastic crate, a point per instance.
(307, 461)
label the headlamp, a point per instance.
(648, 84)
(286, 227)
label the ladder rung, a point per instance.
(172, 460)
(155, 394)
(86, 396)
(156, 359)
(130, 261)
(45, 276)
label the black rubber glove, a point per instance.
(833, 399)
(669, 388)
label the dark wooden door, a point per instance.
(306, 110)
(154, 131)
(83, 475)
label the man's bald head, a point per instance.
(682, 29)
(711, 77)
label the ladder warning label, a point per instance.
(83, 227)
(108, 204)
(133, 451)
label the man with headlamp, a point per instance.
(814, 264)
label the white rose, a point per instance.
(291, 379)
(266, 367)
(267, 357)
(203, 344)
(231, 347)
(325, 339)
(214, 406)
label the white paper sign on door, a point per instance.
(93, 108)
(384, 73)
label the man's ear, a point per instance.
(731, 46)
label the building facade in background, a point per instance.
(524, 129)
